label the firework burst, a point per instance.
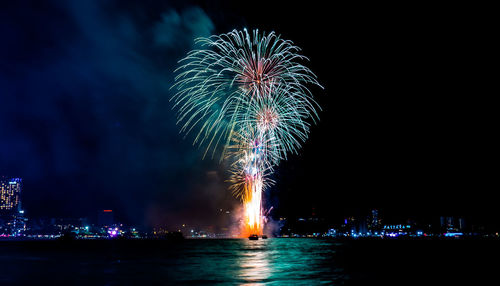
(247, 94)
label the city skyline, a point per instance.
(360, 222)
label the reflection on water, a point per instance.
(254, 262)
(293, 261)
(220, 262)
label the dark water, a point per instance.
(245, 262)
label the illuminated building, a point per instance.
(374, 221)
(351, 225)
(12, 220)
(10, 192)
(394, 230)
(461, 223)
(452, 224)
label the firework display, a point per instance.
(244, 95)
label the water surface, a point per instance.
(244, 262)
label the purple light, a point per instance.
(112, 232)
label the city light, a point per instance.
(15, 224)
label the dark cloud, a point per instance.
(86, 118)
(174, 26)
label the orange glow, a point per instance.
(252, 220)
(107, 211)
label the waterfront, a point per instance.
(281, 261)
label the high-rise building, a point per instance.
(12, 220)
(373, 222)
(461, 223)
(452, 223)
(10, 194)
(374, 219)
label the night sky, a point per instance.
(85, 117)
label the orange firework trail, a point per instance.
(252, 206)
(247, 93)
